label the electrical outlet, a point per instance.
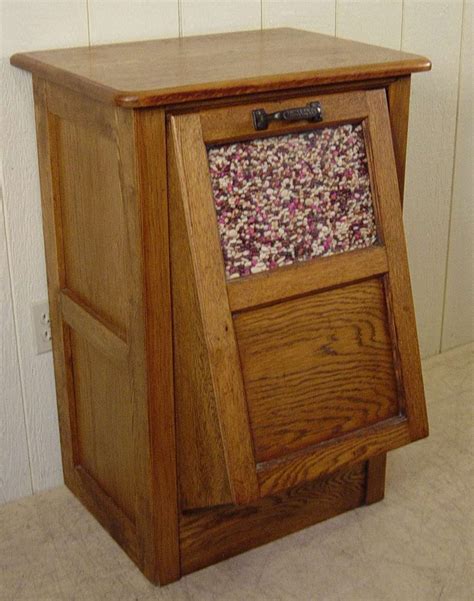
(41, 326)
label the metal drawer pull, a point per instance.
(310, 112)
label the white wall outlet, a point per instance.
(41, 326)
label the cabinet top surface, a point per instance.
(170, 71)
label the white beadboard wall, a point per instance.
(439, 197)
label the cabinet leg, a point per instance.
(375, 488)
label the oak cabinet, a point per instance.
(233, 330)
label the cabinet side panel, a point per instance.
(45, 134)
(88, 264)
(104, 414)
(92, 219)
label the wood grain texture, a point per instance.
(113, 513)
(290, 434)
(329, 457)
(30, 25)
(166, 71)
(317, 368)
(93, 222)
(398, 96)
(46, 134)
(235, 122)
(103, 408)
(107, 513)
(399, 294)
(281, 95)
(203, 478)
(303, 278)
(194, 188)
(140, 505)
(118, 427)
(210, 536)
(144, 145)
(311, 565)
(375, 489)
(74, 107)
(82, 319)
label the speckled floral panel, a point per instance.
(291, 198)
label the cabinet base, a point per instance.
(212, 535)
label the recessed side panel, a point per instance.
(317, 367)
(104, 421)
(82, 211)
(93, 222)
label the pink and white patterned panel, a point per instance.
(291, 198)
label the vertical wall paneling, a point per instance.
(312, 15)
(371, 21)
(459, 300)
(214, 16)
(433, 29)
(31, 25)
(123, 21)
(15, 479)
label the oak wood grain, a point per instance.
(399, 295)
(209, 280)
(317, 367)
(203, 478)
(235, 122)
(104, 508)
(110, 231)
(375, 489)
(332, 455)
(90, 493)
(108, 228)
(159, 72)
(82, 319)
(398, 95)
(305, 277)
(69, 105)
(291, 426)
(103, 407)
(46, 128)
(152, 356)
(93, 221)
(207, 537)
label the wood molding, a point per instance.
(193, 183)
(306, 277)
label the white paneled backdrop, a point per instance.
(439, 196)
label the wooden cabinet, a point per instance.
(233, 330)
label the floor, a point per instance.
(416, 545)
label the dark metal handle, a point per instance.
(310, 112)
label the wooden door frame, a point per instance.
(190, 134)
